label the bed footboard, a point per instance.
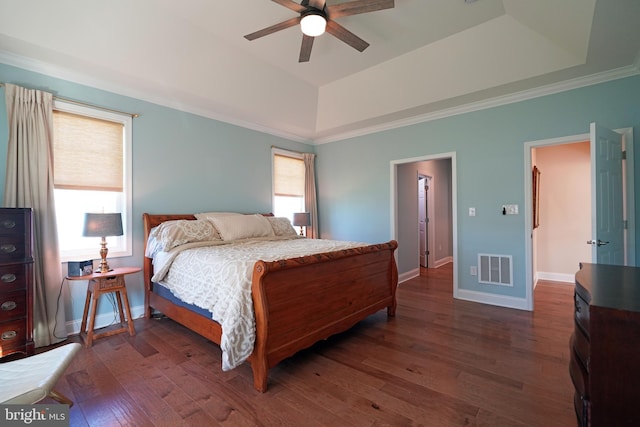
(301, 301)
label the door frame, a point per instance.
(394, 164)
(627, 134)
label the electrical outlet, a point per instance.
(473, 270)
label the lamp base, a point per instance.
(104, 266)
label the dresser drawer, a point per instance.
(15, 277)
(581, 313)
(582, 410)
(13, 248)
(12, 336)
(13, 305)
(579, 376)
(580, 344)
(12, 223)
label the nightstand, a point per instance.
(100, 284)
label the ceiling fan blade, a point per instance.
(274, 28)
(346, 36)
(305, 48)
(358, 6)
(289, 4)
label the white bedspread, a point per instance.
(217, 277)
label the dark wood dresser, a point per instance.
(605, 346)
(16, 281)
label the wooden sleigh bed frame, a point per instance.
(298, 301)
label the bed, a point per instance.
(296, 301)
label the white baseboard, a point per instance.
(408, 275)
(442, 261)
(556, 277)
(102, 320)
(416, 272)
(492, 299)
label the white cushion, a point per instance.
(237, 227)
(282, 226)
(29, 380)
(171, 234)
(208, 215)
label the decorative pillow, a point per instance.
(208, 215)
(234, 227)
(282, 226)
(170, 234)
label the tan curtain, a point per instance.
(29, 184)
(310, 200)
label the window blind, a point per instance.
(87, 153)
(288, 176)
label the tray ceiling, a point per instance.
(426, 56)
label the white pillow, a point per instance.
(234, 227)
(207, 215)
(170, 234)
(282, 226)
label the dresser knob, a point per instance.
(9, 335)
(8, 277)
(8, 223)
(7, 248)
(8, 305)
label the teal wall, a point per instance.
(186, 163)
(354, 174)
(182, 163)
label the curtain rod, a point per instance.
(292, 151)
(84, 104)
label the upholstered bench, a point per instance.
(29, 380)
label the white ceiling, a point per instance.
(426, 56)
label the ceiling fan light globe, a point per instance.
(313, 25)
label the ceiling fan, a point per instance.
(316, 18)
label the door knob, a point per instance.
(597, 242)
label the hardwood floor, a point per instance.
(439, 362)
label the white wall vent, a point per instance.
(495, 269)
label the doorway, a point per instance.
(404, 213)
(563, 207)
(629, 203)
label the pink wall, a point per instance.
(565, 208)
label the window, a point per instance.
(92, 173)
(288, 183)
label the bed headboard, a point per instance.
(148, 222)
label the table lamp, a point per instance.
(301, 219)
(102, 225)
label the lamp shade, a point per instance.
(301, 219)
(102, 224)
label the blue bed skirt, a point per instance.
(166, 293)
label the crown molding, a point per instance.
(73, 76)
(93, 82)
(550, 89)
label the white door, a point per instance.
(607, 210)
(422, 220)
